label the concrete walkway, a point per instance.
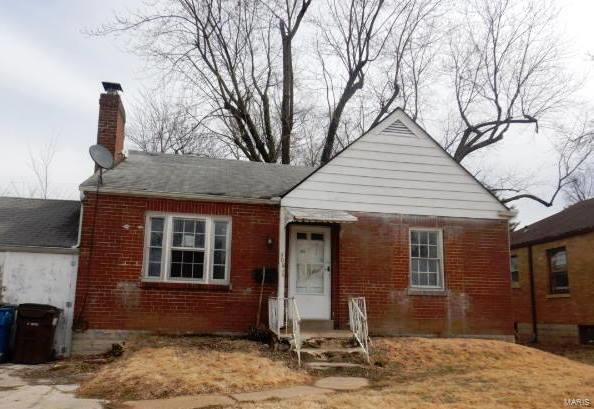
(321, 387)
(16, 393)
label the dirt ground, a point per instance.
(406, 373)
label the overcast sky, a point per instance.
(50, 74)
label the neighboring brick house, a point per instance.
(552, 263)
(172, 243)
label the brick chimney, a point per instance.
(112, 120)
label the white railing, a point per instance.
(284, 320)
(358, 323)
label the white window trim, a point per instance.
(439, 253)
(167, 244)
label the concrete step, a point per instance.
(317, 325)
(322, 366)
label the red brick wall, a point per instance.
(557, 314)
(371, 259)
(374, 262)
(111, 124)
(110, 294)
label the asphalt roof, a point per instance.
(190, 174)
(38, 222)
(576, 219)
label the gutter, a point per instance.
(40, 249)
(185, 196)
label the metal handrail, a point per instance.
(284, 320)
(358, 323)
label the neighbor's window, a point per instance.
(187, 248)
(515, 273)
(426, 259)
(558, 270)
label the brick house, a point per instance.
(552, 263)
(178, 243)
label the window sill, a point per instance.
(168, 285)
(560, 295)
(515, 285)
(426, 291)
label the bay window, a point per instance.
(187, 248)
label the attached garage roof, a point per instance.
(38, 222)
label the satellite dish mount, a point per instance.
(103, 159)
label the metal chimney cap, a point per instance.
(111, 87)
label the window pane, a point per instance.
(423, 280)
(414, 237)
(415, 266)
(188, 240)
(301, 236)
(177, 239)
(187, 264)
(423, 237)
(317, 236)
(432, 266)
(432, 251)
(178, 225)
(559, 260)
(423, 252)
(415, 251)
(157, 224)
(220, 228)
(175, 270)
(156, 239)
(514, 263)
(199, 241)
(189, 226)
(515, 276)
(432, 279)
(220, 242)
(422, 265)
(154, 269)
(415, 279)
(155, 255)
(218, 272)
(200, 226)
(219, 257)
(560, 280)
(432, 238)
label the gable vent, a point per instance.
(398, 129)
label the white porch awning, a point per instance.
(295, 214)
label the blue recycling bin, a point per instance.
(6, 320)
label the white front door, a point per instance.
(309, 270)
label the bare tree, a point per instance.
(574, 153)
(161, 124)
(40, 163)
(290, 14)
(505, 67)
(580, 187)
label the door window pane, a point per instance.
(310, 264)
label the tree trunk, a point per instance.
(287, 101)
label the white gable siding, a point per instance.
(395, 168)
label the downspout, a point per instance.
(532, 296)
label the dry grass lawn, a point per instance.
(457, 373)
(157, 367)
(407, 373)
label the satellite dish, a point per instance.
(101, 156)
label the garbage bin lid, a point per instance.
(36, 310)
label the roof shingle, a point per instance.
(189, 174)
(576, 219)
(38, 222)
